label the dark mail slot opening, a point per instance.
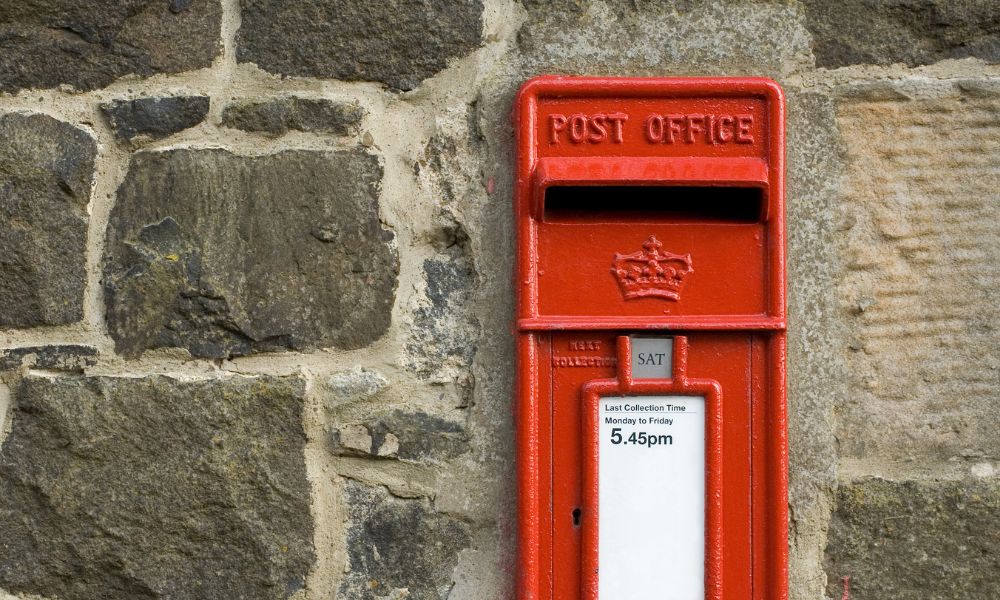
(657, 203)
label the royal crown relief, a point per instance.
(652, 272)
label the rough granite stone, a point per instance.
(912, 32)
(46, 172)
(154, 118)
(226, 255)
(136, 488)
(397, 42)
(90, 44)
(278, 116)
(915, 540)
(398, 548)
(414, 436)
(921, 202)
(69, 357)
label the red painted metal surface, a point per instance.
(651, 205)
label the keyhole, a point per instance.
(576, 517)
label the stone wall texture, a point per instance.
(255, 298)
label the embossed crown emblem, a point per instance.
(651, 272)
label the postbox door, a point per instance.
(580, 358)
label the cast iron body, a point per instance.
(651, 206)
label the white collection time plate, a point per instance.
(651, 505)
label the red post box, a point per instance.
(650, 412)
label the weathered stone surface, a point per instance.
(397, 42)
(442, 338)
(46, 171)
(414, 436)
(280, 115)
(646, 37)
(816, 360)
(226, 255)
(922, 215)
(355, 385)
(154, 118)
(398, 548)
(916, 540)
(90, 44)
(445, 169)
(912, 32)
(443, 323)
(69, 357)
(155, 488)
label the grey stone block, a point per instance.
(414, 436)
(442, 338)
(68, 357)
(226, 255)
(154, 118)
(915, 540)
(90, 44)
(125, 488)
(396, 544)
(397, 42)
(921, 216)
(46, 173)
(278, 116)
(652, 38)
(356, 385)
(912, 32)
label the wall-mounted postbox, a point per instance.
(652, 457)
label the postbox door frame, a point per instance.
(624, 385)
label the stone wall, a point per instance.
(255, 300)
